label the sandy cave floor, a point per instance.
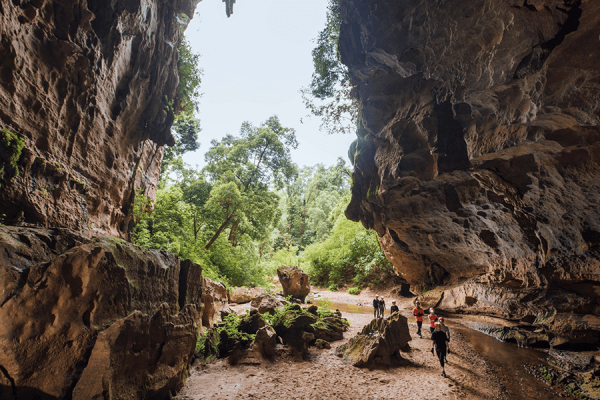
(326, 376)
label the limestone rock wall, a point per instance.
(478, 159)
(86, 85)
(94, 318)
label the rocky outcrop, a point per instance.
(214, 298)
(242, 295)
(86, 85)
(86, 318)
(478, 157)
(294, 281)
(267, 303)
(378, 344)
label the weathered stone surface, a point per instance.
(265, 342)
(118, 365)
(294, 281)
(267, 303)
(244, 295)
(85, 84)
(478, 159)
(378, 344)
(214, 297)
(56, 310)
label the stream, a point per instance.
(508, 359)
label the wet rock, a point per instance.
(378, 344)
(267, 303)
(244, 295)
(214, 298)
(322, 344)
(294, 281)
(79, 309)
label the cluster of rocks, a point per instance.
(289, 330)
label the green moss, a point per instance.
(11, 147)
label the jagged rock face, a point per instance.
(478, 156)
(85, 84)
(93, 317)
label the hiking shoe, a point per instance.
(444, 374)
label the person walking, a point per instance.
(381, 307)
(418, 313)
(432, 320)
(376, 306)
(444, 328)
(438, 341)
(394, 308)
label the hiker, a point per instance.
(439, 340)
(418, 313)
(444, 328)
(376, 306)
(381, 307)
(394, 308)
(432, 320)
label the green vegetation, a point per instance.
(251, 209)
(329, 93)
(350, 255)
(11, 146)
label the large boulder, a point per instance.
(378, 344)
(294, 281)
(267, 303)
(214, 298)
(245, 295)
(90, 304)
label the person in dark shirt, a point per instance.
(381, 307)
(394, 308)
(439, 340)
(376, 306)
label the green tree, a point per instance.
(308, 203)
(329, 95)
(245, 168)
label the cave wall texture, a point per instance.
(478, 157)
(85, 83)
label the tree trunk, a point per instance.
(218, 232)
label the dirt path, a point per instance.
(325, 376)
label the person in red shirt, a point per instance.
(418, 313)
(432, 320)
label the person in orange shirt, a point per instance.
(418, 313)
(432, 320)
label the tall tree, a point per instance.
(244, 169)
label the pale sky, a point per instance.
(255, 64)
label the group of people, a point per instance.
(379, 307)
(440, 334)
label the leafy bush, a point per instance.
(351, 254)
(11, 146)
(355, 290)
